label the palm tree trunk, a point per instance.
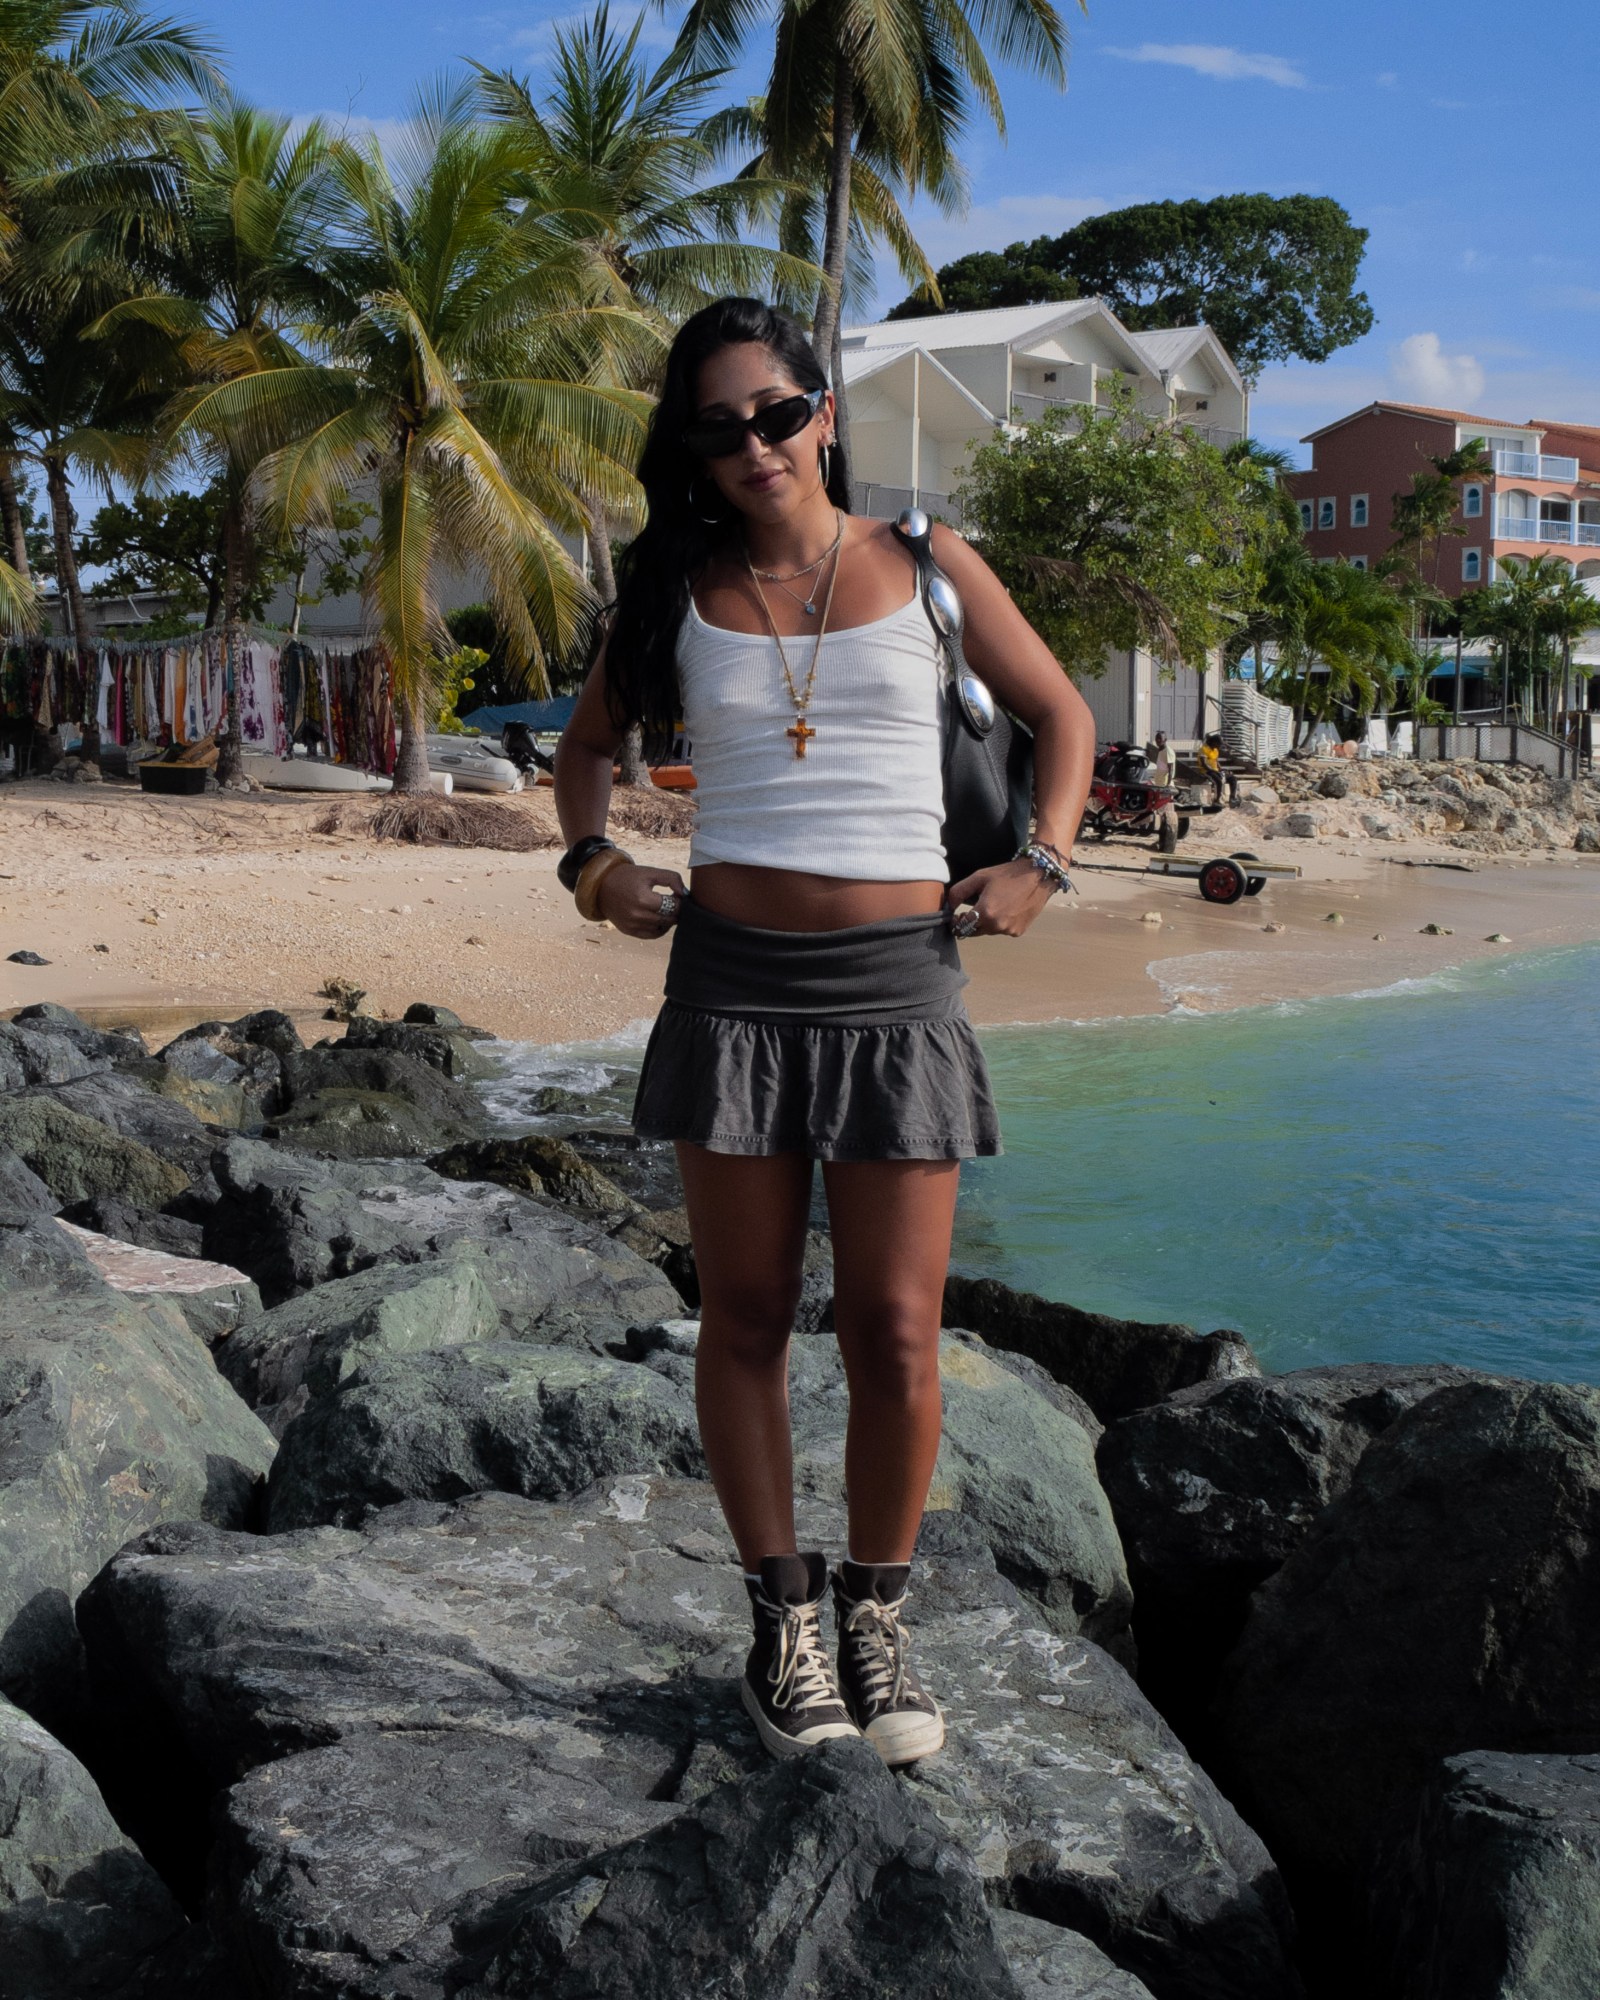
(836, 236)
(633, 770)
(411, 766)
(11, 518)
(70, 594)
(841, 414)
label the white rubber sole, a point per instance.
(781, 1745)
(907, 1738)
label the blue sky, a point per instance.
(1458, 134)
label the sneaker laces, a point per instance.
(878, 1647)
(801, 1673)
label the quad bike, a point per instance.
(1125, 798)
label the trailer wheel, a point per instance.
(1245, 857)
(1222, 881)
(1255, 884)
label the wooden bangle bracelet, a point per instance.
(590, 876)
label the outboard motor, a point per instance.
(516, 740)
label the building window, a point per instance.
(1472, 565)
(1307, 514)
(1472, 502)
(1358, 510)
(1327, 513)
(1358, 562)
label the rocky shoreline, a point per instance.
(369, 1628)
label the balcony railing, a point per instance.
(1529, 528)
(1535, 465)
(1030, 409)
(887, 503)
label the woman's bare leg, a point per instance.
(748, 1221)
(891, 1222)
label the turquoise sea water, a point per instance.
(1407, 1175)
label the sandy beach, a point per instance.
(163, 912)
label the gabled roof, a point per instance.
(862, 364)
(1421, 410)
(1170, 347)
(997, 326)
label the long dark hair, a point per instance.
(655, 572)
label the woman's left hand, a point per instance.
(1007, 899)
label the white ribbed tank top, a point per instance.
(866, 802)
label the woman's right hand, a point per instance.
(631, 897)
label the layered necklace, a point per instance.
(783, 578)
(800, 731)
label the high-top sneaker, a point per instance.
(789, 1688)
(892, 1709)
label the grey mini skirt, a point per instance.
(843, 1045)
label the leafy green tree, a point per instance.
(894, 83)
(467, 382)
(1533, 611)
(1273, 276)
(1111, 529)
(1343, 642)
(175, 543)
(1426, 517)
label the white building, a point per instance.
(922, 392)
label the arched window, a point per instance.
(1472, 502)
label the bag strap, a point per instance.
(914, 531)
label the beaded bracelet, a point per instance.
(1049, 864)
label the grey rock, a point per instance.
(112, 1417)
(197, 1055)
(448, 1051)
(1114, 1365)
(1021, 1470)
(78, 1157)
(339, 1870)
(535, 1165)
(1216, 1487)
(371, 1104)
(1587, 838)
(83, 1916)
(100, 1045)
(29, 1057)
(22, 1193)
(544, 1422)
(110, 1215)
(267, 1028)
(1443, 1605)
(309, 1345)
(1333, 785)
(1494, 1893)
(127, 1101)
(292, 1223)
(606, 1636)
(1052, 1964)
(818, 1876)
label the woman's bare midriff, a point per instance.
(784, 899)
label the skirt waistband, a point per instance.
(903, 969)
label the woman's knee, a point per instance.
(749, 1322)
(892, 1356)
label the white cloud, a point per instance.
(1223, 64)
(991, 225)
(655, 37)
(1421, 368)
(1388, 79)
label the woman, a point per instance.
(813, 1005)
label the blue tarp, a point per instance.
(542, 717)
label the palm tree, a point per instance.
(622, 157)
(258, 209)
(1533, 610)
(892, 83)
(1344, 641)
(466, 384)
(77, 81)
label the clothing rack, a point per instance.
(332, 692)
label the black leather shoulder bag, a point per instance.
(986, 755)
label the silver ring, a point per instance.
(669, 908)
(965, 923)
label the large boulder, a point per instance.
(1215, 1488)
(369, 1103)
(1052, 1964)
(821, 1876)
(535, 1165)
(306, 1347)
(78, 1157)
(1494, 1893)
(450, 1051)
(102, 1046)
(112, 1418)
(83, 1916)
(543, 1421)
(150, 1228)
(126, 1101)
(1115, 1365)
(37, 1056)
(1444, 1604)
(602, 1641)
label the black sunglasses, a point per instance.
(721, 437)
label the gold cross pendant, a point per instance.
(802, 732)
